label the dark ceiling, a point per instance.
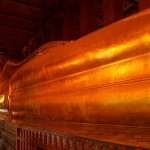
(20, 20)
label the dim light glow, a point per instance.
(2, 99)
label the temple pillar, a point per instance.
(32, 46)
(35, 44)
(112, 11)
(40, 38)
(3, 60)
(29, 50)
(144, 4)
(88, 16)
(47, 33)
(25, 51)
(70, 22)
(57, 30)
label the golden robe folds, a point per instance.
(103, 77)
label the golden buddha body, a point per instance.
(102, 78)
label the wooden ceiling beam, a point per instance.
(28, 12)
(19, 23)
(14, 57)
(12, 41)
(9, 31)
(43, 4)
(13, 52)
(132, 1)
(5, 48)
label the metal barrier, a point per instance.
(35, 139)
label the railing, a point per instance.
(35, 139)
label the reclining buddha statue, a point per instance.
(102, 78)
(98, 84)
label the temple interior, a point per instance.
(74, 74)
